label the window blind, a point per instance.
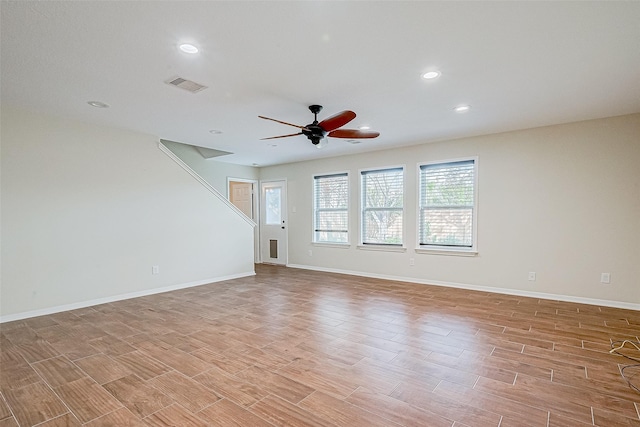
(331, 208)
(382, 206)
(447, 204)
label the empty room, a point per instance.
(319, 213)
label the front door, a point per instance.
(273, 225)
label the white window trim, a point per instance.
(442, 250)
(382, 247)
(447, 250)
(313, 211)
(332, 245)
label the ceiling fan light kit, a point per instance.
(329, 127)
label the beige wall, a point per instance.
(87, 211)
(563, 201)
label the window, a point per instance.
(382, 206)
(448, 205)
(273, 206)
(331, 208)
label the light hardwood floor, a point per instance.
(299, 348)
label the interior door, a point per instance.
(244, 195)
(273, 222)
(241, 195)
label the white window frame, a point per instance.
(313, 202)
(449, 250)
(382, 246)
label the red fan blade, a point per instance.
(282, 136)
(337, 120)
(280, 121)
(353, 133)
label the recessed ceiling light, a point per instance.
(98, 104)
(365, 127)
(462, 108)
(215, 132)
(188, 48)
(431, 75)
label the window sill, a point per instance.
(446, 251)
(332, 245)
(383, 248)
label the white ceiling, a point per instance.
(518, 64)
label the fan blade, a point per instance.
(353, 133)
(337, 120)
(282, 136)
(280, 121)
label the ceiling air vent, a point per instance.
(185, 84)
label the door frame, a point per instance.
(285, 215)
(255, 195)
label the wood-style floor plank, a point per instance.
(281, 413)
(396, 410)
(174, 415)
(119, 418)
(290, 347)
(58, 371)
(9, 422)
(144, 366)
(138, 396)
(34, 404)
(66, 420)
(414, 394)
(242, 392)
(225, 413)
(187, 392)
(276, 384)
(102, 368)
(87, 399)
(5, 412)
(557, 403)
(342, 413)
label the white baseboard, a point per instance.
(517, 292)
(83, 304)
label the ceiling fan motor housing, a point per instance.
(314, 132)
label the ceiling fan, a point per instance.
(316, 131)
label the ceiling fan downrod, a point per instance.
(314, 132)
(315, 109)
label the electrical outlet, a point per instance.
(310, 252)
(532, 276)
(412, 261)
(605, 278)
(155, 269)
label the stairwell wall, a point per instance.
(88, 210)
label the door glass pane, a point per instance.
(273, 206)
